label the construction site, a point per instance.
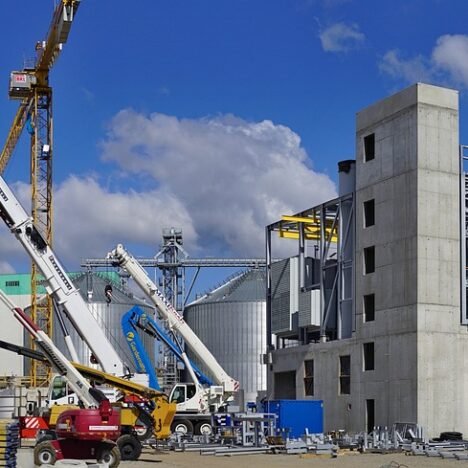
(348, 352)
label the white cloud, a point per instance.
(341, 37)
(411, 70)
(89, 221)
(232, 176)
(221, 180)
(447, 63)
(451, 56)
(92, 220)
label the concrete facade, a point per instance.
(419, 345)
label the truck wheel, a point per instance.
(143, 432)
(108, 455)
(44, 454)
(203, 428)
(183, 426)
(45, 435)
(129, 446)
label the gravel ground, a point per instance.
(192, 459)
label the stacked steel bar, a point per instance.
(9, 442)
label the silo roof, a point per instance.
(249, 286)
(99, 283)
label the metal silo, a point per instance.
(108, 315)
(231, 321)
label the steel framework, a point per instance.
(330, 227)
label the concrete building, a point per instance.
(389, 344)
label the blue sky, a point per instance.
(218, 116)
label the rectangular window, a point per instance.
(368, 349)
(369, 147)
(309, 377)
(369, 213)
(370, 415)
(12, 283)
(369, 307)
(369, 260)
(345, 375)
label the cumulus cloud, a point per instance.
(410, 70)
(90, 220)
(447, 63)
(233, 177)
(221, 180)
(451, 56)
(341, 37)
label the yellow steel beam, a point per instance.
(299, 219)
(315, 235)
(14, 134)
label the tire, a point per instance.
(129, 446)
(143, 432)
(108, 455)
(44, 454)
(451, 436)
(45, 435)
(203, 428)
(182, 426)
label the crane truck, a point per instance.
(158, 412)
(67, 298)
(195, 401)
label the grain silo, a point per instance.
(108, 315)
(231, 321)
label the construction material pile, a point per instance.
(9, 442)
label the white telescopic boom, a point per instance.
(175, 320)
(57, 360)
(57, 282)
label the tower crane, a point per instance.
(31, 86)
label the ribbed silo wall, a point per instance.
(109, 318)
(235, 332)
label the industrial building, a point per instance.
(369, 316)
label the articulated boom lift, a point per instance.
(136, 319)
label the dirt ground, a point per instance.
(193, 459)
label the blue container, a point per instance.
(294, 416)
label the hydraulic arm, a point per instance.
(58, 284)
(175, 321)
(136, 319)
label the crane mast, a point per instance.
(31, 87)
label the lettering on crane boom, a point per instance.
(60, 272)
(3, 194)
(169, 305)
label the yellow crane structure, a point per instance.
(31, 86)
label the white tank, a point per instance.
(231, 322)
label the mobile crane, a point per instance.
(195, 401)
(158, 413)
(68, 299)
(58, 284)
